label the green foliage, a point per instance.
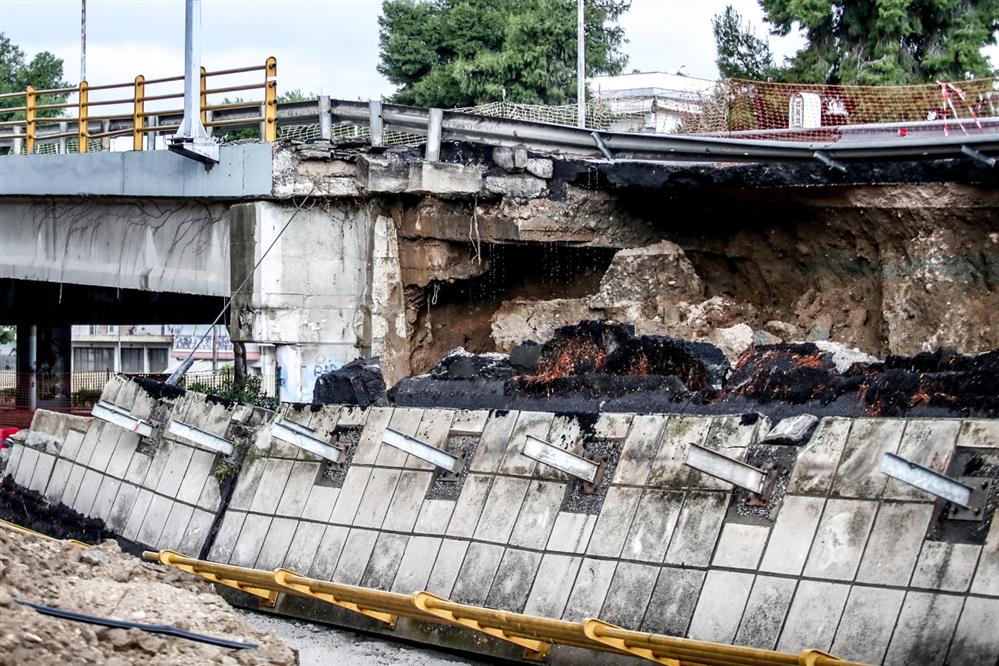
(880, 41)
(741, 54)
(448, 53)
(247, 392)
(7, 334)
(43, 71)
(295, 95)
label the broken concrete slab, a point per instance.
(792, 431)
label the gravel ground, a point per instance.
(320, 644)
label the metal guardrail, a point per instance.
(536, 635)
(85, 125)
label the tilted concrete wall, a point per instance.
(845, 560)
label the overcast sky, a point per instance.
(322, 46)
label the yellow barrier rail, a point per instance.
(135, 122)
(536, 635)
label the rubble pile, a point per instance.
(105, 582)
(604, 366)
(359, 382)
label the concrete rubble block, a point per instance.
(719, 607)
(74, 439)
(354, 558)
(648, 524)
(303, 547)
(519, 319)
(275, 545)
(979, 433)
(175, 527)
(380, 174)
(106, 495)
(926, 442)
(925, 626)
(468, 506)
(349, 497)
(629, 594)
(297, 489)
(43, 470)
(840, 538)
(673, 601)
(640, 448)
(122, 456)
(155, 519)
(517, 186)
(228, 534)
(370, 441)
(510, 158)
(445, 572)
(416, 564)
(668, 468)
(445, 178)
(121, 508)
(987, 577)
(250, 539)
(817, 461)
(434, 429)
(571, 532)
(514, 579)
(385, 560)
(541, 168)
(271, 486)
(975, 640)
(893, 547)
(813, 617)
(732, 340)
(867, 624)
(469, 422)
(537, 515)
(377, 496)
(791, 535)
(697, 528)
(494, 441)
(552, 585)
(174, 470)
(434, 516)
(615, 522)
(793, 430)
(475, 577)
(613, 426)
(88, 492)
(946, 566)
(193, 539)
(740, 546)
(859, 472)
(137, 515)
(328, 554)
(320, 503)
(535, 424)
(72, 484)
(57, 481)
(764, 613)
(589, 589)
(499, 514)
(407, 500)
(406, 421)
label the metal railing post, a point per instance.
(138, 108)
(204, 100)
(434, 125)
(29, 119)
(61, 141)
(325, 118)
(82, 123)
(375, 122)
(269, 130)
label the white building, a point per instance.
(649, 101)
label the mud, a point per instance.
(30, 509)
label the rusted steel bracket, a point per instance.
(281, 577)
(592, 628)
(268, 598)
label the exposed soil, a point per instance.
(105, 582)
(30, 509)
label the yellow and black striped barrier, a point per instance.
(536, 635)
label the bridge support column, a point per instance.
(44, 358)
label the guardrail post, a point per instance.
(16, 142)
(375, 122)
(204, 100)
(325, 118)
(434, 124)
(82, 123)
(29, 119)
(62, 140)
(138, 108)
(268, 131)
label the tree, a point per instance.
(884, 41)
(447, 53)
(741, 54)
(7, 334)
(44, 71)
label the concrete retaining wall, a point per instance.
(843, 560)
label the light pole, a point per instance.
(191, 139)
(580, 66)
(83, 40)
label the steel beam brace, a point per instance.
(305, 438)
(979, 155)
(119, 416)
(422, 450)
(560, 459)
(722, 467)
(930, 481)
(200, 438)
(829, 162)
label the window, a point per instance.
(90, 359)
(157, 359)
(132, 359)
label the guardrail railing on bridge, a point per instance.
(44, 116)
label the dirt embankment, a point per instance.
(105, 582)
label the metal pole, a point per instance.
(83, 40)
(191, 139)
(580, 66)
